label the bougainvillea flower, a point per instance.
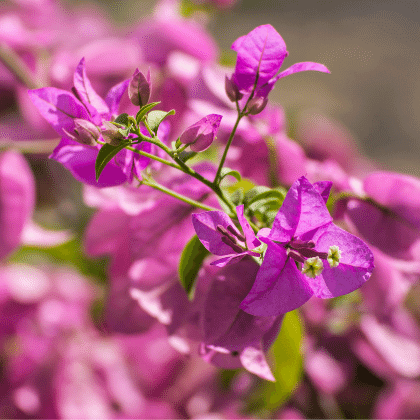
(201, 134)
(260, 56)
(65, 111)
(220, 236)
(394, 212)
(331, 261)
(233, 338)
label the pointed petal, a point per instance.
(303, 210)
(205, 226)
(93, 102)
(251, 240)
(229, 259)
(58, 107)
(113, 97)
(254, 361)
(279, 287)
(260, 53)
(355, 267)
(305, 66)
(323, 188)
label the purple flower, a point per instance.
(77, 116)
(220, 236)
(260, 56)
(201, 134)
(331, 261)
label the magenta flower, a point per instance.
(76, 116)
(306, 255)
(201, 134)
(220, 236)
(260, 56)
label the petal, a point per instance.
(58, 107)
(93, 102)
(305, 66)
(251, 241)
(113, 97)
(17, 199)
(229, 259)
(80, 161)
(254, 361)
(323, 188)
(205, 226)
(303, 210)
(228, 288)
(355, 267)
(279, 287)
(260, 53)
(399, 192)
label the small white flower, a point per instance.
(334, 255)
(312, 267)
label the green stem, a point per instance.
(174, 194)
(222, 161)
(149, 155)
(17, 66)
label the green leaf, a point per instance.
(287, 359)
(192, 258)
(144, 110)
(227, 171)
(262, 193)
(122, 119)
(106, 153)
(154, 118)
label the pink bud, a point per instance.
(256, 105)
(201, 134)
(139, 88)
(86, 132)
(111, 135)
(232, 90)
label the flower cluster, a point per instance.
(220, 232)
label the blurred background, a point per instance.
(371, 47)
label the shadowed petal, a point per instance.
(205, 226)
(58, 107)
(251, 241)
(113, 97)
(279, 287)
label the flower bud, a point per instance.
(86, 132)
(256, 105)
(111, 135)
(139, 88)
(201, 134)
(232, 90)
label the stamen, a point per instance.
(313, 267)
(310, 253)
(295, 255)
(227, 234)
(237, 234)
(234, 246)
